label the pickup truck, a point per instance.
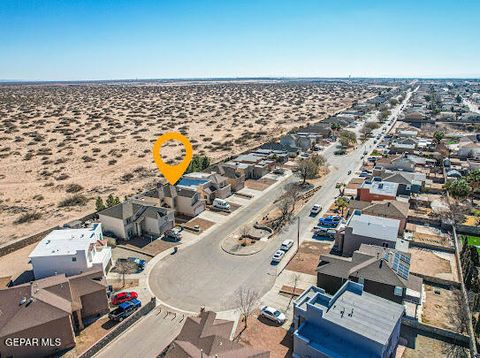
(329, 221)
(124, 310)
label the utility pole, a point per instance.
(298, 233)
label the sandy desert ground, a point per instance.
(89, 140)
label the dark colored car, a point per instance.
(124, 310)
(123, 297)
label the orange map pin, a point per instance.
(172, 172)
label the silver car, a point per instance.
(273, 314)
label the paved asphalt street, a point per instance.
(204, 275)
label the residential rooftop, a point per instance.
(352, 309)
(373, 226)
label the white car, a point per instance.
(278, 256)
(315, 209)
(286, 245)
(273, 314)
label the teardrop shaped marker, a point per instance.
(172, 172)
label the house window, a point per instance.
(398, 291)
(74, 259)
(409, 187)
(361, 280)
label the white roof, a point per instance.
(66, 242)
(375, 226)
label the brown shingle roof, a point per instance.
(210, 336)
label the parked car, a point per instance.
(124, 310)
(340, 152)
(221, 204)
(123, 297)
(174, 235)
(330, 221)
(286, 245)
(140, 263)
(278, 256)
(315, 210)
(273, 314)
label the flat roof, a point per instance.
(66, 242)
(374, 226)
(366, 314)
(381, 187)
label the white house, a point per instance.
(71, 252)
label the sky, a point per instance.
(119, 39)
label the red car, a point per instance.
(123, 297)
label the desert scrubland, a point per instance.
(61, 146)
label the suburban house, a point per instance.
(234, 177)
(137, 217)
(210, 186)
(366, 229)
(382, 271)
(403, 145)
(185, 201)
(205, 336)
(373, 190)
(320, 130)
(52, 309)
(303, 142)
(291, 151)
(401, 162)
(253, 165)
(350, 323)
(408, 183)
(392, 209)
(71, 252)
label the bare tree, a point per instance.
(455, 214)
(296, 279)
(246, 299)
(306, 169)
(293, 192)
(245, 233)
(124, 267)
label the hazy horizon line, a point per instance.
(224, 78)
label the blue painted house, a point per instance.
(350, 323)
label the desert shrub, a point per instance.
(75, 200)
(62, 177)
(73, 188)
(28, 217)
(38, 197)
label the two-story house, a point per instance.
(350, 323)
(71, 252)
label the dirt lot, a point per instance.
(90, 335)
(429, 235)
(260, 184)
(202, 223)
(15, 263)
(306, 259)
(425, 347)
(263, 334)
(434, 264)
(439, 308)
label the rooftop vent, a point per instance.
(22, 301)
